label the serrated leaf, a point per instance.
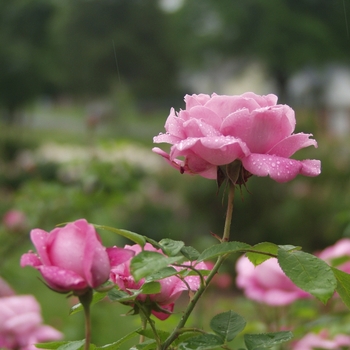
(201, 342)
(266, 247)
(308, 273)
(190, 253)
(65, 345)
(266, 340)
(147, 263)
(222, 249)
(132, 236)
(343, 285)
(116, 345)
(289, 247)
(163, 273)
(95, 299)
(227, 325)
(171, 247)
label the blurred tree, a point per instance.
(23, 40)
(101, 42)
(286, 35)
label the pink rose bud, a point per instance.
(322, 340)
(171, 287)
(267, 283)
(21, 323)
(72, 258)
(216, 130)
(339, 251)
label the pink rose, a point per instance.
(21, 324)
(72, 258)
(217, 130)
(321, 340)
(338, 250)
(171, 287)
(267, 283)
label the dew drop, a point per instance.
(273, 165)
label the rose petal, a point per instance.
(280, 169)
(62, 280)
(291, 144)
(118, 255)
(30, 259)
(39, 238)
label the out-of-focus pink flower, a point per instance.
(220, 280)
(338, 250)
(216, 130)
(267, 283)
(14, 220)
(5, 289)
(171, 287)
(72, 258)
(21, 324)
(322, 340)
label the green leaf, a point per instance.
(65, 345)
(190, 253)
(266, 247)
(163, 335)
(55, 344)
(308, 272)
(266, 340)
(163, 273)
(289, 247)
(171, 247)
(343, 285)
(121, 296)
(147, 263)
(95, 299)
(149, 344)
(116, 345)
(202, 342)
(222, 249)
(135, 237)
(227, 325)
(150, 288)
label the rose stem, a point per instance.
(85, 299)
(216, 267)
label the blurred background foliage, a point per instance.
(86, 84)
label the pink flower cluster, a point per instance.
(267, 283)
(322, 340)
(217, 130)
(171, 287)
(21, 322)
(72, 258)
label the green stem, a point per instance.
(85, 299)
(228, 219)
(211, 275)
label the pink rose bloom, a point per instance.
(72, 258)
(171, 287)
(267, 283)
(338, 250)
(14, 220)
(21, 324)
(313, 341)
(216, 130)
